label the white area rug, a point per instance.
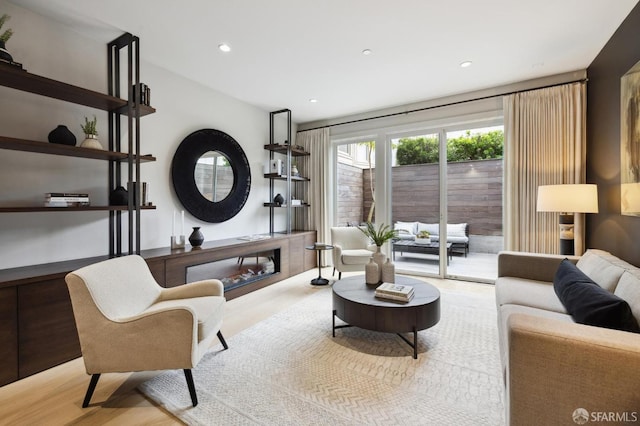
(289, 370)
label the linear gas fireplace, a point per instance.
(238, 271)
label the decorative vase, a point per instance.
(371, 273)
(197, 237)
(62, 135)
(278, 199)
(91, 141)
(119, 197)
(388, 274)
(294, 170)
(4, 53)
(379, 258)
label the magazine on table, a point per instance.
(394, 298)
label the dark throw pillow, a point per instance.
(590, 304)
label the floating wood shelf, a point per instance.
(16, 78)
(279, 177)
(282, 149)
(27, 209)
(66, 150)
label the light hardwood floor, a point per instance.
(54, 397)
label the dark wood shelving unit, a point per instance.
(39, 331)
(289, 151)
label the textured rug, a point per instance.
(289, 370)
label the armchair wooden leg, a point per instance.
(90, 389)
(222, 340)
(191, 386)
(334, 271)
(339, 275)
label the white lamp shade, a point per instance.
(570, 198)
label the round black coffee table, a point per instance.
(354, 302)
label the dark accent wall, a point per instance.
(608, 230)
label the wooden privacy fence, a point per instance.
(474, 194)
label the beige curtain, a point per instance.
(315, 166)
(544, 145)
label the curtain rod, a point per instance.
(393, 114)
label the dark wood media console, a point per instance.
(38, 330)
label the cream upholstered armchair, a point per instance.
(351, 249)
(127, 322)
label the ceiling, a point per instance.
(286, 52)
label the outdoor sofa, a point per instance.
(457, 233)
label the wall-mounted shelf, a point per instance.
(66, 150)
(284, 206)
(283, 149)
(27, 209)
(280, 177)
(16, 78)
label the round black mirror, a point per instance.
(211, 175)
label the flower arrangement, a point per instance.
(379, 236)
(424, 234)
(5, 36)
(89, 127)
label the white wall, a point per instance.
(47, 48)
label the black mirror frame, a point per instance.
(182, 173)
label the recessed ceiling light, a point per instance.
(367, 52)
(313, 100)
(465, 64)
(224, 47)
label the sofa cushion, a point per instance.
(629, 289)
(603, 268)
(590, 304)
(406, 227)
(456, 230)
(520, 291)
(431, 228)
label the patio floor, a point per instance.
(475, 267)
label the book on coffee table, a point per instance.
(394, 291)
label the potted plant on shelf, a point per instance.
(4, 37)
(423, 237)
(91, 134)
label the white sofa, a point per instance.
(457, 233)
(553, 365)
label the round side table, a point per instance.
(319, 249)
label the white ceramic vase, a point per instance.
(371, 273)
(388, 274)
(379, 258)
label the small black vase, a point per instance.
(4, 53)
(196, 238)
(119, 197)
(63, 136)
(278, 199)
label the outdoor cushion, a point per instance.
(410, 227)
(456, 230)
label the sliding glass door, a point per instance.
(415, 203)
(440, 188)
(446, 200)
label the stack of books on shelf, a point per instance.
(64, 199)
(395, 292)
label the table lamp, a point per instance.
(567, 200)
